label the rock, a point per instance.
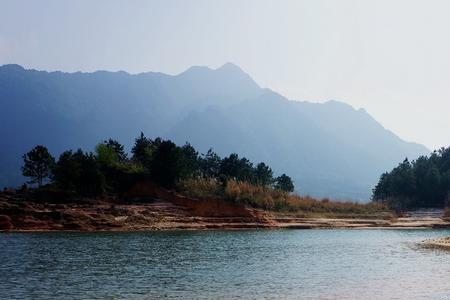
(442, 243)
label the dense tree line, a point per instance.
(424, 182)
(109, 169)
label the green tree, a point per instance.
(106, 156)
(423, 183)
(432, 187)
(191, 161)
(142, 149)
(110, 153)
(284, 183)
(117, 148)
(166, 164)
(403, 181)
(210, 164)
(67, 170)
(263, 174)
(92, 180)
(79, 172)
(382, 190)
(238, 168)
(421, 167)
(38, 164)
(443, 160)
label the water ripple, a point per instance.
(253, 264)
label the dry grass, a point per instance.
(254, 196)
(275, 200)
(308, 204)
(201, 188)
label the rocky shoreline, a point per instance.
(441, 243)
(168, 211)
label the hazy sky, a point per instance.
(391, 57)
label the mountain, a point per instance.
(330, 149)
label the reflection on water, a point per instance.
(272, 264)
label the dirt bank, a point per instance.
(146, 207)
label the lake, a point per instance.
(251, 264)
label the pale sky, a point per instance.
(391, 57)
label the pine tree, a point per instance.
(38, 164)
(284, 183)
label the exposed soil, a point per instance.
(146, 207)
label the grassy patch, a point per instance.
(271, 199)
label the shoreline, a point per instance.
(187, 225)
(170, 211)
(438, 243)
(221, 229)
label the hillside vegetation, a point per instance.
(422, 183)
(110, 172)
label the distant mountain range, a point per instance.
(330, 149)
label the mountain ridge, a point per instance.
(327, 145)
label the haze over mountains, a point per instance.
(330, 149)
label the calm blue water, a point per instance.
(254, 264)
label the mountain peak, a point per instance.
(12, 67)
(230, 67)
(225, 79)
(195, 70)
(340, 104)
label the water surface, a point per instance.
(253, 264)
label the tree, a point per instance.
(403, 180)
(234, 167)
(444, 159)
(382, 190)
(433, 187)
(92, 180)
(263, 174)
(166, 165)
(210, 164)
(38, 164)
(142, 149)
(424, 182)
(67, 170)
(117, 148)
(284, 183)
(191, 162)
(85, 174)
(421, 168)
(106, 156)
(79, 172)
(110, 153)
